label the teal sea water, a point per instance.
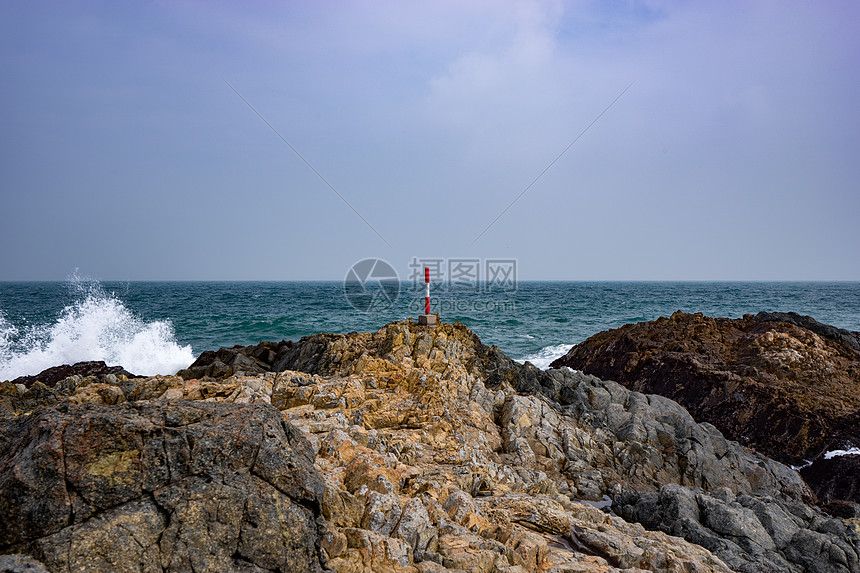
(160, 327)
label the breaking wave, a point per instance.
(839, 453)
(97, 326)
(547, 354)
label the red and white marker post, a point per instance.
(427, 319)
(426, 290)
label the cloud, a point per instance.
(743, 119)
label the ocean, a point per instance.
(160, 327)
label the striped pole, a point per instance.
(426, 290)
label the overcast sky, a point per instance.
(735, 155)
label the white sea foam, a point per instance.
(96, 327)
(547, 354)
(837, 453)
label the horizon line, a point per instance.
(101, 280)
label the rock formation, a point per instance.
(53, 375)
(159, 486)
(781, 383)
(239, 360)
(834, 480)
(433, 452)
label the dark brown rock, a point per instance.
(173, 486)
(54, 374)
(835, 479)
(777, 386)
(779, 382)
(226, 362)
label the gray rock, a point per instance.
(416, 529)
(167, 486)
(779, 523)
(640, 440)
(750, 533)
(458, 504)
(736, 523)
(20, 564)
(381, 512)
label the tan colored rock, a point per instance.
(341, 508)
(440, 454)
(98, 393)
(154, 387)
(371, 551)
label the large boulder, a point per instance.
(170, 486)
(504, 457)
(781, 383)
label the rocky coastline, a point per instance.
(409, 449)
(781, 383)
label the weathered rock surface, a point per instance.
(58, 384)
(168, 486)
(238, 360)
(54, 374)
(438, 453)
(749, 533)
(835, 479)
(550, 437)
(20, 564)
(779, 382)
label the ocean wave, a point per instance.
(838, 453)
(97, 326)
(547, 354)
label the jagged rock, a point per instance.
(246, 360)
(782, 383)
(53, 375)
(77, 390)
(522, 432)
(370, 551)
(36, 395)
(169, 486)
(749, 533)
(415, 528)
(835, 479)
(439, 453)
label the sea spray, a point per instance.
(547, 354)
(838, 453)
(209, 315)
(96, 326)
(8, 334)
